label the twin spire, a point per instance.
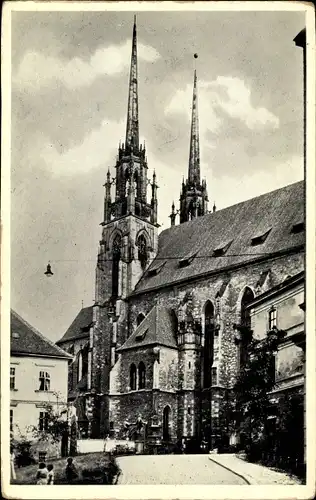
(132, 182)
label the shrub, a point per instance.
(23, 453)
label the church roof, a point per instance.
(158, 327)
(26, 340)
(245, 232)
(80, 326)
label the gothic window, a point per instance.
(44, 381)
(132, 377)
(140, 318)
(142, 250)
(208, 350)
(116, 256)
(166, 424)
(85, 351)
(141, 376)
(83, 362)
(245, 321)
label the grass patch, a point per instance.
(90, 467)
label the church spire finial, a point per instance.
(132, 129)
(194, 158)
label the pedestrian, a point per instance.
(50, 469)
(71, 471)
(42, 474)
(12, 463)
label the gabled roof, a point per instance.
(158, 327)
(26, 340)
(80, 326)
(237, 224)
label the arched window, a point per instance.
(140, 318)
(132, 377)
(166, 423)
(85, 354)
(208, 351)
(142, 250)
(141, 376)
(116, 256)
(245, 321)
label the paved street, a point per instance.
(174, 469)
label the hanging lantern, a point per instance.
(48, 271)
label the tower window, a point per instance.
(272, 318)
(142, 251)
(141, 376)
(44, 381)
(116, 256)
(132, 377)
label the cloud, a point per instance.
(226, 95)
(37, 70)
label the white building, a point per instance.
(38, 376)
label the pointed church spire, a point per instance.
(132, 129)
(194, 158)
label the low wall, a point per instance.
(97, 445)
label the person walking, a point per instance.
(42, 474)
(50, 479)
(71, 471)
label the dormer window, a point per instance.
(156, 268)
(186, 261)
(140, 336)
(260, 238)
(222, 249)
(299, 227)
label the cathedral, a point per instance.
(158, 347)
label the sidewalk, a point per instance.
(252, 473)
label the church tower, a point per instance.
(193, 197)
(129, 236)
(129, 243)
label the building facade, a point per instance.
(158, 343)
(38, 377)
(283, 307)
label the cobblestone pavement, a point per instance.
(174, 469)
(253, 473)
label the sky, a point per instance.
(69, 101)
